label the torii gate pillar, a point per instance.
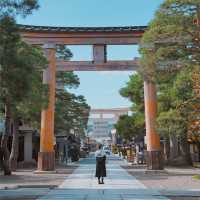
(46, 156)
(154, 155)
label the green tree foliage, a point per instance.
(21, 67)
(172, 40)
(125, 127)
(129, 127)
(63, 53)
(18, 7)
(22, 94)
(134, 91)
(171, 122)
(132, 126)
(72, 111)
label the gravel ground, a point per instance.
(173, 179)
(28, 178)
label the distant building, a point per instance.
(102, 121)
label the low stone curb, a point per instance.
(25, 193)
(180, 193)
(156, 172)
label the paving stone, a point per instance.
(119, 185)
(82, 185)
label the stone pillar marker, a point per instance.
(154, 155)
(46, 156)
(28, 147)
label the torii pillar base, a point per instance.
(154, 160)
(46, 161)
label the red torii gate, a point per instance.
(99, 38)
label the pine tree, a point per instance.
(170, 57)
(18, 64)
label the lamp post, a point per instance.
(114, 139)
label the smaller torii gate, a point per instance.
(99, 38)
(116, 112)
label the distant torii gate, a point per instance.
(99, 38)
(116, 112)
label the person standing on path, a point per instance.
(100, 165)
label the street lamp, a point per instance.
(113, 133)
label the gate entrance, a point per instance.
(99, 38)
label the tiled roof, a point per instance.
(81, 29)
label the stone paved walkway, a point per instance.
(119, 185)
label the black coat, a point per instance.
(101, 166)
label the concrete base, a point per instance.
(46, 161)
(154, 160)
(25, 164)
(45, 172)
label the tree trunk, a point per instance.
(185, 149)
(198, 144)
(15, 146)
(173, 147)
(1, 159)
(4, 140)
(166, 149)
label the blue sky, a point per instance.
(99, 88)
